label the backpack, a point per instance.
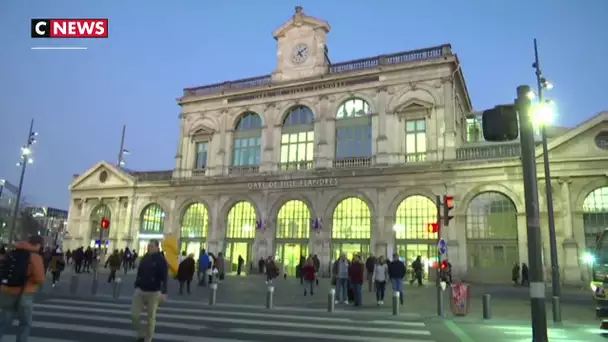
(14, 269)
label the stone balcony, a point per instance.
(469, 152)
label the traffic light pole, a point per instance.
(528, 158)
(438, 280)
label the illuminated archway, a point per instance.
(595, 215)
(242, 224)
(351, 227)
(194, 229)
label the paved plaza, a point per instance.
(240, 314)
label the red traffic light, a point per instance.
(105, 223)
(432, 227)
(449, 202)
(444, 265)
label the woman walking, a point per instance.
(380, 277)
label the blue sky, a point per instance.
(81, 99)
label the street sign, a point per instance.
(442, 246)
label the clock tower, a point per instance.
(301, 48)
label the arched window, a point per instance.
(413, 217)
(247, 146)
(491, 226)
(195, 222)
(353, 130)
(595, 215)
(297, 139)
(152, 220)
(293, 221)
(352, 220)
(242, 220)
(100, 212)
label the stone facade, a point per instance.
(425, 85)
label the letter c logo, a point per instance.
(38, 28)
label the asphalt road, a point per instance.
(97, 319)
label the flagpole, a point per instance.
(122, 147)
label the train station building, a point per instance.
(321, 157)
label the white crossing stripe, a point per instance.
(240, 313)
(524, 333)
(13, 338)
(190, 323)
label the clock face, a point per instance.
(299, 54)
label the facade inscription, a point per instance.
(294, 184)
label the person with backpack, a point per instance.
(57, 265)
(150, 290)
(21, 274)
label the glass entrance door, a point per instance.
(350, 249)
(409, 252)
(289, 254)
(192, 247)
(143, 247)
(236, 249)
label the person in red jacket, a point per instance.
(308, 274)
(356, 273)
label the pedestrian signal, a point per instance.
(448, 205)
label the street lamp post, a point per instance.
(123, 150)
(26, 152)
(543, 84)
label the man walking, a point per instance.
(150, 290)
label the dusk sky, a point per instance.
(81, 99)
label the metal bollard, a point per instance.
(486, 302)
(116, 288)
(74, 284)
(557, 309)
(269, 295)
(95, 284)
(395, 303)
(331, 300)
(213, 294)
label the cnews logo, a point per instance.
(69, 28)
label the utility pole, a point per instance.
(528, 158)
(121, 153)
(23, 163)
(541, 83)
(439, 290)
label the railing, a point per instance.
(354, 162)
(415, 158)
(295, 166)
(152, 176)
(198, 173)
(243, 170)
(338, 68)
(488, 151)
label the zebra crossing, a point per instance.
(524, 333)
(96, 320)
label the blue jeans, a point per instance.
(341, 288)
(357, 290)
(12, 307)
(397, 285)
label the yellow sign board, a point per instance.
(171, 254)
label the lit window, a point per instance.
(415, 140)
(297, 139)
